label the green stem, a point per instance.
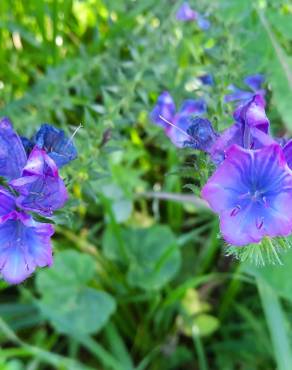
(200, 352)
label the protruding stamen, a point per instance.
(259, 223)
(266, 204)
(176, 127)
(74, 133)
(235, 210)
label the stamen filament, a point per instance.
(179, 129)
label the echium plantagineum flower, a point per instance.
(54, 141)
(250, 129)
(30, 184)
(185, 14)
(176, 124)
(254, 82)
(252, 193)
(251, 189)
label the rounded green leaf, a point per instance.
(67, 302)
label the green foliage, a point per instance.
(152, 255)
(129, 290)
(73, 308)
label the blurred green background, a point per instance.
(140, 282)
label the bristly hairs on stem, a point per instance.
(267, 252)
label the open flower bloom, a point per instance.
(24, 245)
(252, 193)
(40, 187)
(176, 124)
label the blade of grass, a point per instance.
(276, 322)
(117, 346)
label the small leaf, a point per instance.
(153, 254)
(67, 302)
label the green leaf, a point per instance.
(153, 254)
(277, 277)
(67, 302)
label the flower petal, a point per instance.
(206, 79)
(24, 245)
(57, 145)
(255, 81)
(40, 187)
(12, 153)
(178, 133)
(7, 203)
(193, 106)
(252, 192)
(186, 13)
(253, 114)
(203, 23)
(202, 134)
(237, 94)
(165, 108)
(288, 153)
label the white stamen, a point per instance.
(74, 133)
(176, 127)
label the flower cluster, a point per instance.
(30, 185)
(251, 188)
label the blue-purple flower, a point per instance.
(176, 124)
(206, 79)
(252, 193)
(254, 82)
(24, 245)
(32, 184)
(40, 187)
(249, 131)
(55, 142)
(186, 14)
(12, 153)
(202, 135)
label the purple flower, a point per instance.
(165, 107)
(203, 23)
(201, 133)
(254, 82)
(287, 149)
(252, 193)
(250, 130)
(24, 245)
(253, 113)
(54, 141)
(176, 124)
(186, 13)
(207, 79)
(12, 153)
(40, 187)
